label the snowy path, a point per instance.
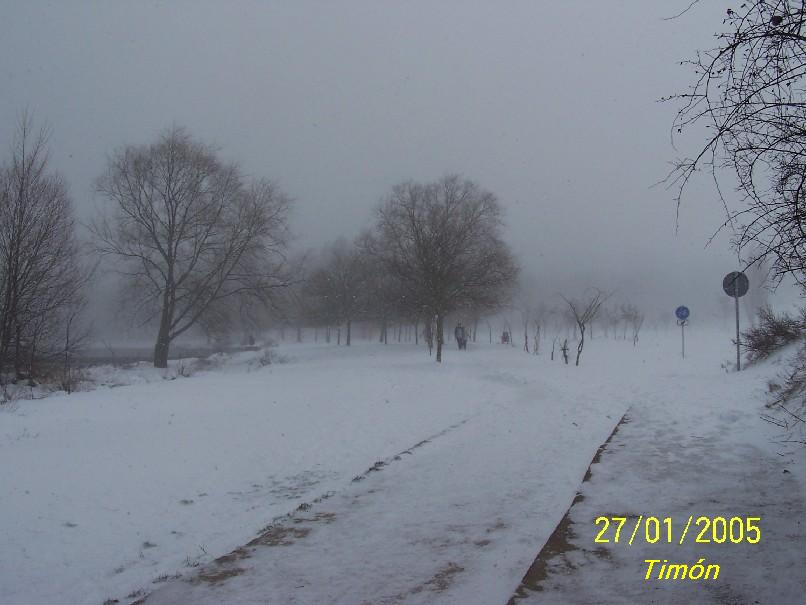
(109, 494)
(694, 446)
(455, 521)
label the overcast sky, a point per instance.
(553, 106)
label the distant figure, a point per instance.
(461, 339)
(505, 338)
(251, 341)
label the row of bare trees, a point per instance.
(577, 316)
(201, 247)
(196, 243)
(435, 250)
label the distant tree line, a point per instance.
(200, 247)
(435, 250)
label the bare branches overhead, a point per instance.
(750, 93)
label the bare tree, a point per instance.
(41, 276)
(749, 92)
(634, 318)
(187, 232)
(442, 242)
(583, 313)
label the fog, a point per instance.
(552, 106)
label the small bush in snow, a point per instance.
(789, 399)
(270, 356)
(772, 333)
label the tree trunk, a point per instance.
(164, 334)
(17, 352)
(349, 331)
(161, 349)
(581, 343)
(66, 378)
(440, 337)
(526, 336)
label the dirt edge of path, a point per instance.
(559, 541)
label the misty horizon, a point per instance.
(338, 104)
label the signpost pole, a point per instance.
(736, 284)
(738, 348)
(682, 314)
(683, 334)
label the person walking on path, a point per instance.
(461, 339)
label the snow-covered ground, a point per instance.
(694, 447)
(112, 493)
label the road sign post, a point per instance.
(736, 284)
(738, 336)
(682, 314)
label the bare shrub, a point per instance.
(771, 334)
(788, 406)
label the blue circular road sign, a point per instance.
(682, 312)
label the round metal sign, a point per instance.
(682, 312)
(735, 284)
